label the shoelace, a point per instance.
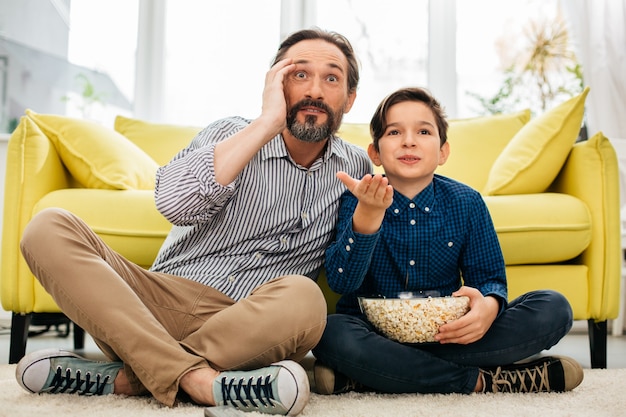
(349, 385)
(68, 384)
(243, 391)
(516, 380)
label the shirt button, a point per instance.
(426, 209)
(347, 248)
(413, 222)
(411, 262)
(257, 255)
(304, 215)
(340, 270)
(396, 211)
(231, 278)
(350, 240)
(412, 205)
(450, 244)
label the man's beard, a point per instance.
(309, 131)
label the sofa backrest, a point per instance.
(508, 154)
(501, 154)
(159, 140)
(475, 144)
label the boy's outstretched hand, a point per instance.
(375, 195)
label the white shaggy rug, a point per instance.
(602, 394)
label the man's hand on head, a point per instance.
(274, 106)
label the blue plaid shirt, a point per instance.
(441, 238)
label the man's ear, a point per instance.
(444, 152)
(349, 102)
(374, 155)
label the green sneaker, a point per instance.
(57, 371)
(547, 374)
(281, 388)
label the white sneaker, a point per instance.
(281, 388)
(57, 371)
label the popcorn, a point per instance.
(414, 320)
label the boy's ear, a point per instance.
(444, 152)
(374, 155)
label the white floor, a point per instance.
(575, 344)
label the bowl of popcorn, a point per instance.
(411, 318)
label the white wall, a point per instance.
(43, 25)
(4, 140)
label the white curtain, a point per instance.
(598, 29)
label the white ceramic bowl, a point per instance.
(412, 320)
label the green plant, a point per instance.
(89, 96)
(503, 100)
(542, 71)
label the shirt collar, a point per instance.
(339, 147)
(424, 201)
(276, 148)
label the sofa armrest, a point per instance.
(33, 169)
(591, 174)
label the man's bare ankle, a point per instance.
(198, 384)
(121, 385)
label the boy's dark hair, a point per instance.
(333, 38)
(378, 125)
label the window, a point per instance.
(488, 46)
(390, 39)
(215, 54)
(103, 37)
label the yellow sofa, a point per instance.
(554, 201)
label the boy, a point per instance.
(413, 230)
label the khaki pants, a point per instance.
(162, 326)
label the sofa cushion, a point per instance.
(534, 157)
(160, 141)
(571, 280)
(540, 228)
(127, 220)
(479, 139)
(97, 156)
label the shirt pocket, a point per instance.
(444, 268)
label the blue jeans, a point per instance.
(351, 346)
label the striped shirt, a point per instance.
(276, 218)
(426, 244)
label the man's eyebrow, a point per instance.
(330, 64)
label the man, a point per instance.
(228, 307)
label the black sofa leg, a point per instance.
(597, 343)
(19, 336)
(79, 337)
(20, 324)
